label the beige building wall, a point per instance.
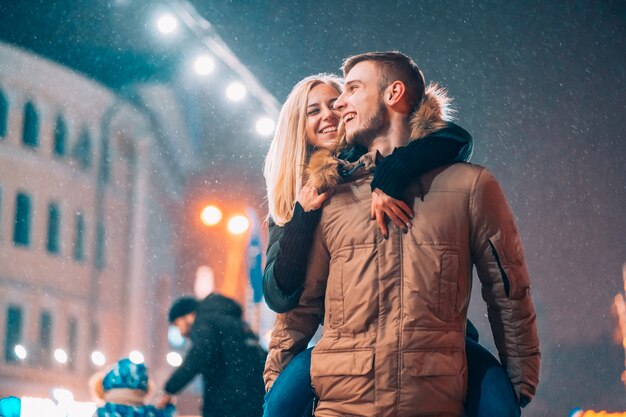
(123, 299)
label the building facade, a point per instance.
(90, 191)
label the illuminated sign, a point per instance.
(38, 407)
(579, 412)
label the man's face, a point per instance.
(184, 324)
(361, 104)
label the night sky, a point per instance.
(540, 85)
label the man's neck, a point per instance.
(396, 136)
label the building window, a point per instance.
(105, 163)
(72, 342)
(13, 334)
(100, 247)
(60, 136)
(4, 114)
(21, 231)
(82, 150)
(54, 225)
(30, 133)
(45, 337)
(79, 237)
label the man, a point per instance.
(225, 351)
(395, 306)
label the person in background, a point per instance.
(225, 351)
(124, 390)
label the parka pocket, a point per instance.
(432, 292)
(447, 300)
(335, 294)
(509, 258)
(435, 379)
(343, 376)
(433, 363)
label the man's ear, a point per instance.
(395, 95)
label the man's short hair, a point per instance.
(181, 307)
(393, 66)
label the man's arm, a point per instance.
(201, 353)
(293, 330)
(407, 163)
(499, 258)
(286, 259)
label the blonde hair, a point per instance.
(288, 154)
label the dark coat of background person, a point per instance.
(227, 354)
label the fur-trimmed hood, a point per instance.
(325, 169)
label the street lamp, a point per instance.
(238, 224)
(211, 215)
(204, 65)
(236, 91)
(265, 126)
(167, 24)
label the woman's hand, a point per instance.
(397, 210)
(309, 199)
(164, 400)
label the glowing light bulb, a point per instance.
(238, 224)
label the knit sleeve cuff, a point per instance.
(390, 176)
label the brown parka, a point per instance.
(395, 309)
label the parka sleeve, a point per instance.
(293, 330)
(200, 355)
(286, 259)
(499, 258)
(405, 164)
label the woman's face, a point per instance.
(321, 118)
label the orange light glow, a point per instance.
(238, 224)
(211, 215)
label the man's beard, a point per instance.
(376, 125)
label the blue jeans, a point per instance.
(292, 395)
(489, 389)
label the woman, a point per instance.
(307, 122)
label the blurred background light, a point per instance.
(236, 91)
(167, 24)
(174, 359)
(20, 352)
(60, 356)
(98, 358)
(211, 215)
(238, 224)
(265, 126)
(204, 65)
(205, 282)
(62, 395)
(136, 357)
